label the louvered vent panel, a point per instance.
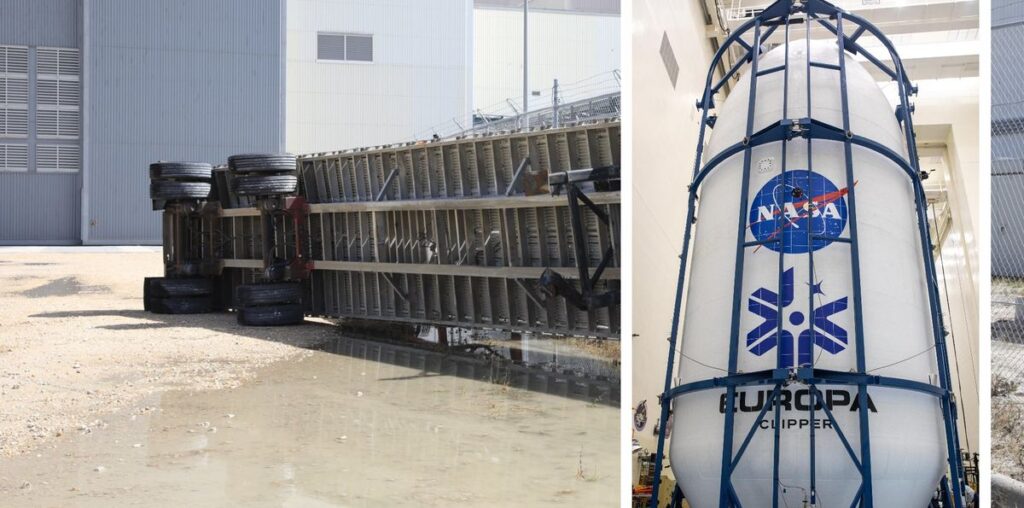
(14, 100)
(13, 157)
(68, 122)
(14, 60)
(58, 158)
(13, 122)
(46, 122)
(46, 92)
(68, 93)
(58, 98)
(68, 59)
(13, 90)
(57, 61)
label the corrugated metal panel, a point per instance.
(183, 80)
(37, 206)
(38, 215)
(39, 22)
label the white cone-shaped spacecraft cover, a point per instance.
(906, 432)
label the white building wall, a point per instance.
(420, 77)
(580, 50)
(957, 267)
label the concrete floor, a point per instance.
(107, 405)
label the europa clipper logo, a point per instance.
(785, 209)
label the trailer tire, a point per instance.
(275, 315)
(182, 305)
(162, 287)
(170, 190)
(147, 293)
(262, 163)
(264, 185)
(188, 171)
(253, 295)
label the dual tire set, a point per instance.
(254, 175)
(180, 181)
(269, 304)
(192, 295)
(264, 304)
(263, 175)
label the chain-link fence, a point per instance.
(563, 104)
(1008, 237)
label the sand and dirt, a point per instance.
(103, 404)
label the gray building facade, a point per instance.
(1007, 139)
(40, 142)
(92, 91)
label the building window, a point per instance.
(58, 110)
(335, 47)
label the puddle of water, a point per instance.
(65, 286)
(487, 364)
(332, 430)
(536, 350)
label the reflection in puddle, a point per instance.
(572, 368)
(333, 430)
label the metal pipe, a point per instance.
(725, 487)
(526, 61)
(858, 308)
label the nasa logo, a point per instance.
(820, 330)
(782, 212)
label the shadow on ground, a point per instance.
(396, 345)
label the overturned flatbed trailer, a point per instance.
(514, 231)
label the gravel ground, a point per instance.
(106, 405)
(76, 346)
(1007, 378)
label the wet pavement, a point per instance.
(334, 430)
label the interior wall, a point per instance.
(957, 265)
(665, 128)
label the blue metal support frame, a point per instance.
(808, 12)
(725, 485)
